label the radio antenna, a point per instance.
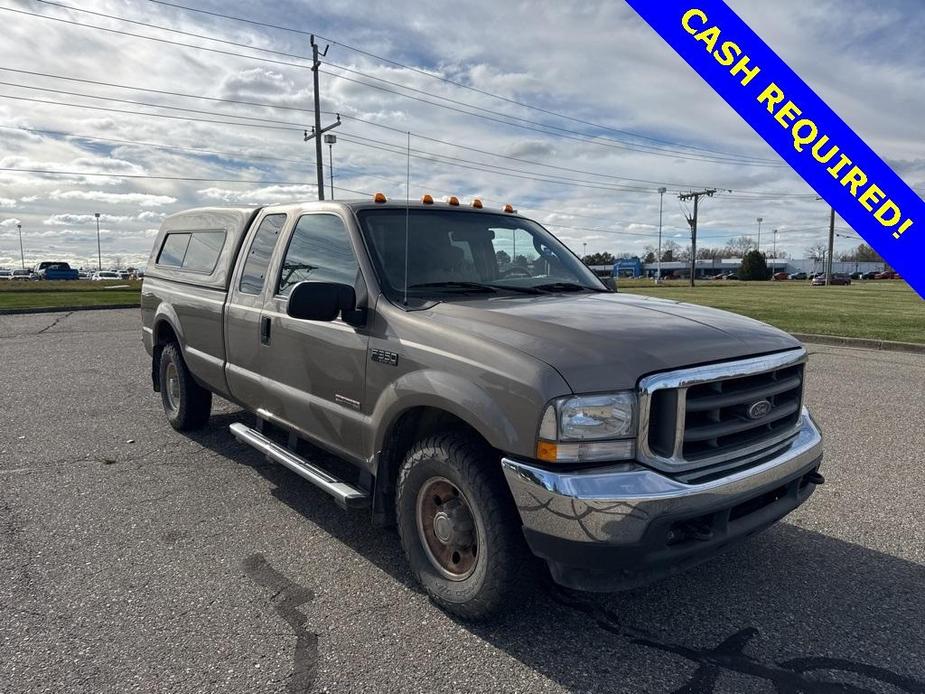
(407, 212)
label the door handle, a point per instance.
(265, 330)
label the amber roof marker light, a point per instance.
(476, 203)
(379, 198)
(427, 199)
(509, 208)
(453, 200)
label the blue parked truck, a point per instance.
(55, 270)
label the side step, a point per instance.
(344, 494)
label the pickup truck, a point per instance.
(480, 389)
(54, 270)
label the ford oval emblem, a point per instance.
(759, 409)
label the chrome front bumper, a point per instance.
(617, 506)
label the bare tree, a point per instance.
(740, 245)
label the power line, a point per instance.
(440, 78)
(608, 142)
(481, 166)
(274, 106)
(154, 145)
(301, 57)
(161, 91)
(194, 179)
(437, 158)
(149, 105)
(152, 115)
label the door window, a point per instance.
(319, 251)
(258, 258)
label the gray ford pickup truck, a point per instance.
(488, 394)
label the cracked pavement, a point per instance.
(136, 559)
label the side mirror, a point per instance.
(321, 301)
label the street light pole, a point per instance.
(760, 220)
(658, 260)
(584, 250)
(330, 139)
(775, 244)
(99, 251)
(22, 256)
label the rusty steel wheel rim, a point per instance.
(447, 529)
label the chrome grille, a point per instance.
(733, 412)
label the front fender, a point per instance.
(504, 427)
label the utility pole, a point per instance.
(584, 251)
(99, 252)
(693, 222)
(22, 256)
(317, 130)
(828, 265)
(658, 260)
(775, 244)
(760, 220)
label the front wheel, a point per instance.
(458, 528)
(186, 403)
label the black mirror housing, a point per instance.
(321, 301)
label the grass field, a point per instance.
(882, 310)
(878, 309)
(17, 295)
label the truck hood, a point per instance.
(601, 342)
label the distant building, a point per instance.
(710, 267)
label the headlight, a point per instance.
(586, 428)
(594, 417)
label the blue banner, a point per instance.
(810, 137)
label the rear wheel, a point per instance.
(186, 403)
(458, 527)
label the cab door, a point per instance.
(316, 370)
(246, 331)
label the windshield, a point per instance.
(456, 253)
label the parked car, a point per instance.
(838, 278)
(54, 270)
(484, 412)
(857, 275)
(781, 276)
(870, 275)
(105, 275)
(6, 274)
(887, 275)
(21, 275)
(798, 276)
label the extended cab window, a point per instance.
(258, 258)
(173, 250)
(196, 251)
(203, 251)
(319, 251)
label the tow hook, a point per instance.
(814, 477)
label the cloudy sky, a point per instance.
(574, 111)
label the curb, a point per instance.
(63, 309)
(861, 343)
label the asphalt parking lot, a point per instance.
(133, 558)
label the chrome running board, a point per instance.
(344, 494)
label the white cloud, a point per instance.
(7, 202)
(141, 199)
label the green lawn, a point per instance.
(878, 309)
(17, 295)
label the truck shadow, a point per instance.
(792, 610)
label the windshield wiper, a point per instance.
(522, 290)
(463, 286)
(566, 287)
